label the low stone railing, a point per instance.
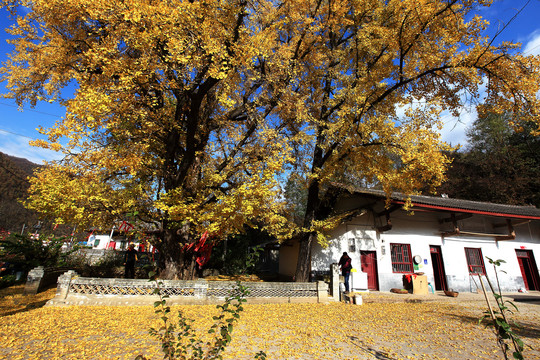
(40, 278)
(75, 290)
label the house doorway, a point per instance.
(368, 260)
(528, 269)
(438, 267)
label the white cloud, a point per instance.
(18, 146)
(454, 129)
(532, 47)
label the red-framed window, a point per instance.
(475, 261)
(401, 258)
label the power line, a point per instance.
(14, 133)
(32, 110)
(530, 51)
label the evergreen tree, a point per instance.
(499, 165)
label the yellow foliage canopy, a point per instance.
(167, 119)
(186, 112)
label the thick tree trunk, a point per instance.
(182, 266)
(174, 262)
(303, 266)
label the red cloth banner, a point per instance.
(204, 254)
(202, 248)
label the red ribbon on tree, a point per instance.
(202, 248)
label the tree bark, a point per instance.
(175, 262)
(303, 266)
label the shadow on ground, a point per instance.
(28, 307)
(12, 301)
(368, 350)
(524, 329)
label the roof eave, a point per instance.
(468, 211)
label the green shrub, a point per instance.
(8, 280)
(110, 265)
(26, 253)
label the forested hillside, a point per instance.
(13, 185)
(499, 165)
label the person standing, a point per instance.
(345, 262)
(129, 262)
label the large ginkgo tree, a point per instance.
(170, 114)
(186, 113)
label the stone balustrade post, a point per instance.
(33, 280)
(322, 292)
(334, 280)
(63, 284)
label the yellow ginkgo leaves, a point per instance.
(436, 330)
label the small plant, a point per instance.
(498, 317)
(180, 341)
(252, 259)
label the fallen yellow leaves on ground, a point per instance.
(250, 278)
(435, 330)
(13, 301)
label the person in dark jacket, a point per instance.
(345, 262)
(129, 262)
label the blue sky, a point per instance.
(18, 126)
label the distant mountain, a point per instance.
(25, 165)
(14, 184)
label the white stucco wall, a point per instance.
(101, 242)
(355, 236)
(288, 258)
(98, 241)
(422, 230)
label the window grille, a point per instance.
(352, 245)
(401, 258)
(475, 261)
(522, 253)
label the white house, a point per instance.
(447, 239)
(102, 242)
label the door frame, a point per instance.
(439, 274)
(532, 282)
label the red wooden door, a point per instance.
(528, 268)
(368, 261)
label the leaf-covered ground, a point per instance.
(431, 330)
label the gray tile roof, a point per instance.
(466, 206)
